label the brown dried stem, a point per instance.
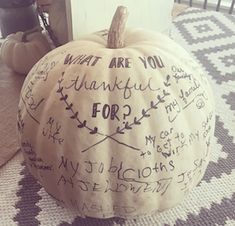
(117, 28)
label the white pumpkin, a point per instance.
(20, 51)
(117, 131)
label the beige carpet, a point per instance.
(10, 85)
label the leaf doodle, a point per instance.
(144, 113)
(167, 83)
(165, 93)
(94, 131)
(74, 116)
(153, 105)
(82, 125)
(136, 121)
(69, 107)
(60, 90)
(62, 79)
(119, 130)
(161, 100)
(63, 98)
(127, 126)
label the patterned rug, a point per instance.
(210, 37)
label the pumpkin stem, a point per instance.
(117, 28)
(28, 32)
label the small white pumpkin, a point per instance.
(21, 50)
(120, 130)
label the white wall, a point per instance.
(93, 15)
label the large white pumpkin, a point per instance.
(117, 132)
